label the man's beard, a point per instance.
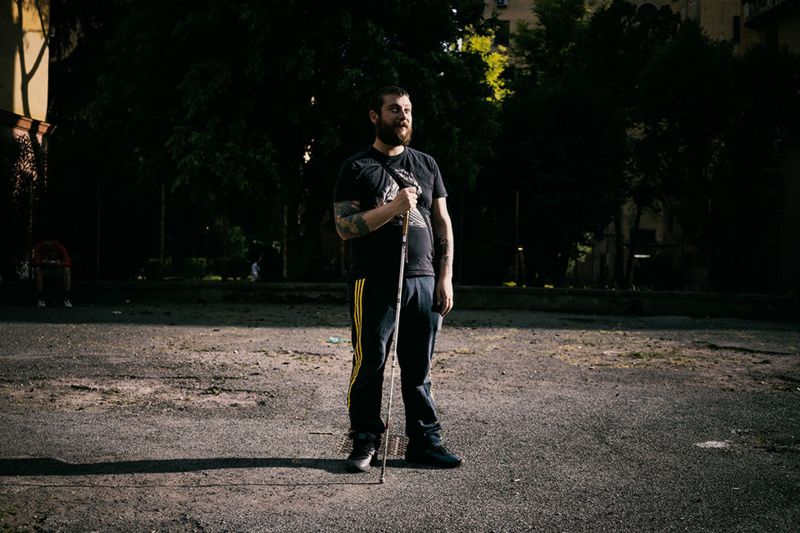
(390, 134)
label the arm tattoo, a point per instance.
(445, 252)
(350, 221)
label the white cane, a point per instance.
(403, 251)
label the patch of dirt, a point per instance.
(239, 368)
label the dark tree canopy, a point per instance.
(193, 135)
(243, 111)
(614, 104)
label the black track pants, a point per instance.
(373, 301)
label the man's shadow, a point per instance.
(46, 466)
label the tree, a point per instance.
(548, 49)
(683, 105)
(563, 155)
(563, 143)
(21, 192)
(618, 46)
(243, 111)
(747, 193)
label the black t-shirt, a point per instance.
(363, 178)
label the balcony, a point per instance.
(757, 13)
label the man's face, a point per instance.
(393, 126)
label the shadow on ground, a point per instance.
(47, 466)
(335, 315)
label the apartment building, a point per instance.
(775, 21)
(721, 19)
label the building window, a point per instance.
(502, 33)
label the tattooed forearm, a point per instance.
(444, 250)
(443, 233)
(350, 221)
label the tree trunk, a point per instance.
(619, 250)
(632, 247)
(162, 231)
(226, 228)
(284, 251)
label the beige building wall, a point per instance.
(789, 32)
(24, 57)
(717, 17)
(511, 10)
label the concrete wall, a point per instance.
(24, 57)
(466, 297)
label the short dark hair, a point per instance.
(377, 98)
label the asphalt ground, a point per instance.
(232, 418)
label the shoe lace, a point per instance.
(440, 449)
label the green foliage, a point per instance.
(547, 48)
(567, 168)
(617, 46)
(563, 142)
(683, 105)
(496, 60)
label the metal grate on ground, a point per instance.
(397, 446)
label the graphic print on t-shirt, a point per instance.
(372, 179)
(416, 220)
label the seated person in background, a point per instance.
(51, 259)
(255, 269)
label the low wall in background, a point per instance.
(592, 301)
(596, 301)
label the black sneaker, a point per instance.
(432, 454)
(364, 454)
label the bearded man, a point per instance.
(375, 188)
